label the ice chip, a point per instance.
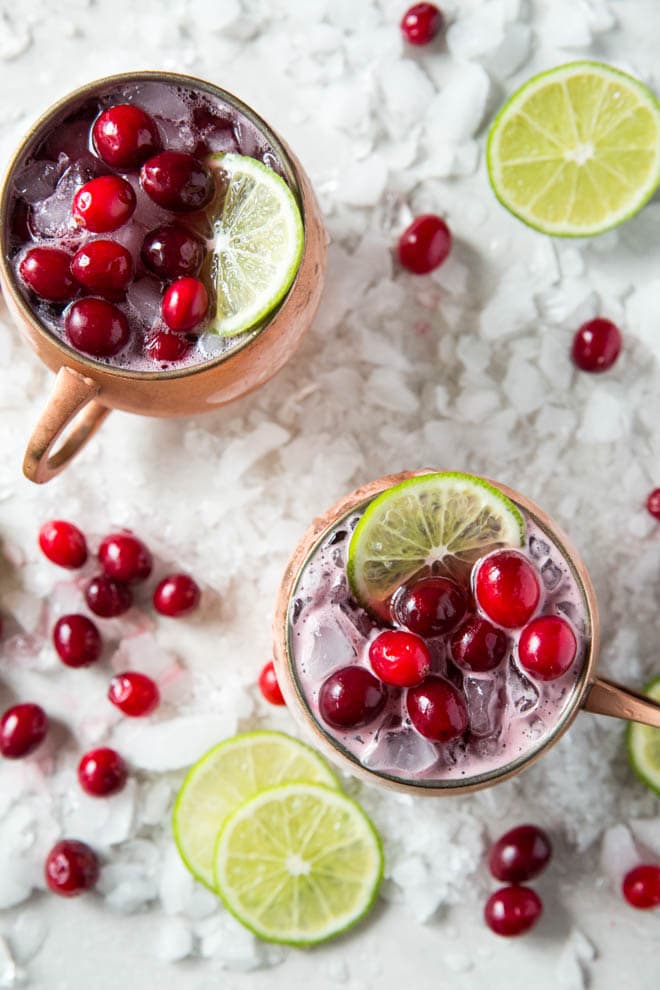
(481, 696)
(538, 548)
(175, 940)
(618, 854)
(523, 693)
(403, 751)
(10, 974)
(551, 575)
(330, 648)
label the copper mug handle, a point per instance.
(607, 698)
(73, 403)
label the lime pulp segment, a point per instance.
(644, 745)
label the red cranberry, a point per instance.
(653, 503)
(167, 347)
(399, 658)
(177, 594)
(134, 694)
(105, 267)
(430, 607)
(520, 854)
(425, 244)
(77, 640)
(107, 598)
(125, 558)
(351, 697)
(172, 251)
(421, 23)
(104, 204)
(71, 868)
(547, 647)
(596, 345)
(22, 729)
(63, 544)
(177, 181)
(102, 772)
(125, 136)
(437, 709)
(513, 910)
(268, 685)
(641, 886)
(477, 645)
(47, 272)
(96, 327)
(185, 304)
(507, 588)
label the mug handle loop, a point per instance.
(607, 698)
(72, 403)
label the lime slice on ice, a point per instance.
(258, 242)
(431, 523)
(644, 745)
(227, 776)
(576, 150)
(298, 864)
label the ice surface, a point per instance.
(403, 750)
(571, 611)
(174, 742)
(330, 647)
(37, 180)
(551, 575)
(143, 298)
(52, 216)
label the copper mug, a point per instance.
(86, 390)
(591, 693)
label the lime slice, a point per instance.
(227, 776)
(298, 864)
(644, 745)
(576, 150)
(430, 524)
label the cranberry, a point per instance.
(134, 694)
(185, 304)
(96, 327)
(268, 685)
(102, 772)
(125, 136)
(77, 640)
(177, 594)
(425, 244)
(22, 729)
(177, 181)
(477, 645)
(547, 647)
(513, 910)
(351, 697)
(641, 886)
(172, 251)
(104, 204)
(166, 347)
(105, 267)
(437, 709)
(107, 598)
(653, 503)
(430, 607)
(47, 272)
(507, 588)
(520, 854)
(421, 23)
(399, 658)
(63, 544)
(71, 868)
(596, 345)
(125, 558)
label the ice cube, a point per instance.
(572, 613)
(10, 974)
(481, 696)
(330, 648)
(618, 854)
(551, 575)
(403, 751)
(52, 216)
(175, 940)
(37, 181)
(177, 135)
(143, 298)
(538, 548)
(131, 235)
(523, 693)
(161, 100)
(221, 138)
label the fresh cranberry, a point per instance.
(477, 645)
(167, 347)
(177, 181)
(96, 327)
(596, 345)
(351, 697)
(507, 588)
(71, 868)
(425, 244)
(134, 694)
(547, 647)
(641, 886)
(399, 658)
(107, 598)
(513, 910)
(63, 544)
(431, 607)
(268, 685)
(102, 772)
(437, 709)
(125, 558)
(47, 272)
(185, 304)
(172, 251)
(520, 854)
(653, 503)
(105, 267)
(177, 594)
(22, 729)
(125, 136)
(421, 23)
(77, 640)
(104, 204)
